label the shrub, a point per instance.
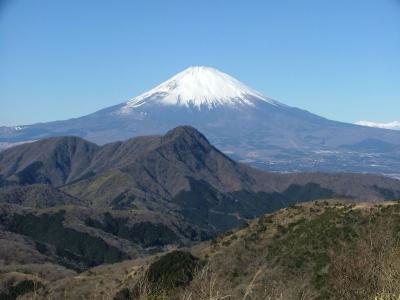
(172, 270)
(123, 294)
(19, 289)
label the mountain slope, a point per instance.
(36, 196)
(160, 167)
(238, 120)
(54, 161)
(180, 153)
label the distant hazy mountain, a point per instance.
(238, 120)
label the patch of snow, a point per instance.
(389, 125)
(325, 152)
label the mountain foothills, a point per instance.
(316, 250)
(68, 205)
(237, 119)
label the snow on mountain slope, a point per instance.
(200, 87)
(389, 125)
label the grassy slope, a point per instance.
(318, 250)
(305, 252)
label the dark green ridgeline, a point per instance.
(146, 234)
(388, 194)
(79, 247)
(206, 207)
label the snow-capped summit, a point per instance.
(200, 87)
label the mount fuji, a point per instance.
(240, 121)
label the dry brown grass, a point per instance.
(387, 296)
(373, 265)
(207, 285)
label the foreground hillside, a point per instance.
(317, 250)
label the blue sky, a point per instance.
(62, 59)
